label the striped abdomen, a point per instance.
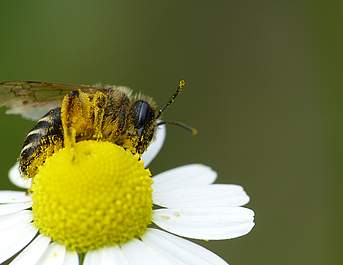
(45, 138)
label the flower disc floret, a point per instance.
(93, 195)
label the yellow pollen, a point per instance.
(93, 195)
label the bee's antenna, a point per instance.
(179, 124)
(181, 86)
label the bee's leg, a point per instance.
(75, 116)
(99, 103)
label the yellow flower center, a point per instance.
(93, 195)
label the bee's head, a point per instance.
(143, 117)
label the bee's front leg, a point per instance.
(75, 116)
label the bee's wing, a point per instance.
(33, 99)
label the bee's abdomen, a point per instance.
(42, 141)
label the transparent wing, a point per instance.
(33, 99)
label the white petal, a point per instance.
(33, 252)
(215, 195)
(119, 257)
(11, 235)
(139, 253)
(93, 258)
(71, 258)
(155, 145)
(15, 239)
(54, 255)
(17, 179)
(206, 223)
(11, 220)
(106, 256)
(184, 176)
(8, 196)
(14, 207)
(180, 251)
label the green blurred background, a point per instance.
(264, 93)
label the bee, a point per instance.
(75, 113)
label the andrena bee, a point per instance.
(80, 112)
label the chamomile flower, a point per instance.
(95, 201)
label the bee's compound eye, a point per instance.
(142, 113)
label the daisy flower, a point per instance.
(93, 205)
